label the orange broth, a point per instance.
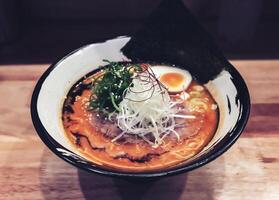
(82, 133)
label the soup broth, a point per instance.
(96, 136)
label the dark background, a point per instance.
(41, 31)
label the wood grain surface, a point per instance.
(249, 170)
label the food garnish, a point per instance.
(133, 97)
(107, 90)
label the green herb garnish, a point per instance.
(107, 90)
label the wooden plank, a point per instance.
(250, 168)
(262, 77)
(264, 118)
(15, 119)
(21, 72)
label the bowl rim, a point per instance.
(218, 150)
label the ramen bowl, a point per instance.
(228, 90)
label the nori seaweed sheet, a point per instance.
(172, 35)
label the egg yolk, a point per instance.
(172, 79)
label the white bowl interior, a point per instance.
(70, 69)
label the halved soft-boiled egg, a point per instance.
(173, 78)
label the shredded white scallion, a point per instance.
(148, 109)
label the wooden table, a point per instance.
(249, 170)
